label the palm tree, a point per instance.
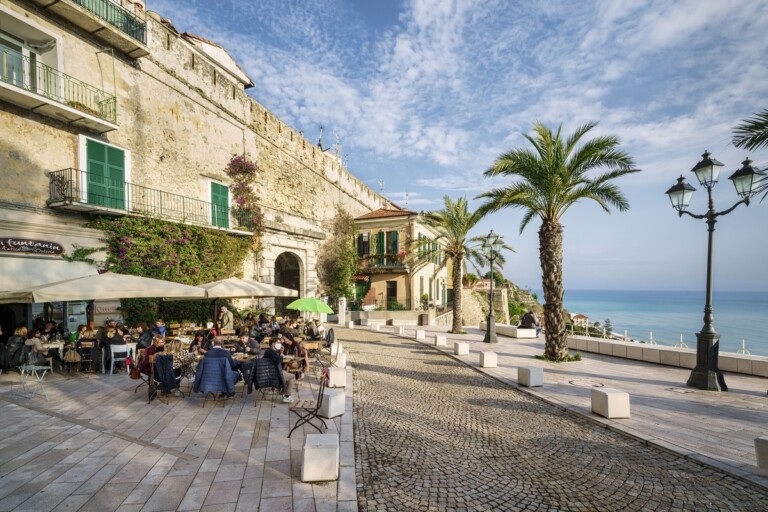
(552, 178)
(452, 225)
(752, 133)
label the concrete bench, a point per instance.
(333, 403)
(516, 332)
(610, 403)
(441, 340)
(320, 458)
(337, 378)
(461, 348)
(489, 359)
(404, 321)
(530, 376)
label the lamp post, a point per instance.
(491, 247)
(706, 374)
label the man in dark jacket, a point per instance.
(273, 353)
(220, 352)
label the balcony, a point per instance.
(105, 20)
(75, 190)
(46, 90)
(382, 263)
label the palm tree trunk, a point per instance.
(457, 320)
(551, 257)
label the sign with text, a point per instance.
(26, 245)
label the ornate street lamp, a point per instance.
(747, 180)
(491, 248)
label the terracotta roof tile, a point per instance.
(382, 213)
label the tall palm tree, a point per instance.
(552, 177)
(452, 225)
(752, 133)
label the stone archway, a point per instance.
(288, 268)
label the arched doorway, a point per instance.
(288, 274)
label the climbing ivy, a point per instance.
(150, 247)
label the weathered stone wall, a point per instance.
(182, 118)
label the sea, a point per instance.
(740, 318)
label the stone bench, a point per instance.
(610, 403)
(333, 403)
(320, 458)
(489, 360)
(511, 331)
(461, 348)
(530, 376)
(404, 322)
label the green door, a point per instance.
(219, 205)
(106, 175)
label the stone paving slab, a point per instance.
(97, 445)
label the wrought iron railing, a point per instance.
(379, 305)
(118, 17)
(382, 262)
(26, 73)
(76, 187)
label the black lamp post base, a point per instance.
(490, 331)
(706, 375)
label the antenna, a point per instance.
(320, 140)
(406, 199)
(381, 187)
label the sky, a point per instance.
(423, 96)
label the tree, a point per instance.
(498, 279)
(552, 177)
(452, 225)
(469, 280)
(607, 326)
(337, 257)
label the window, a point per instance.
(219, 205)
(431, 286)
(392, 242)
(107, 170)
(26, 52)
(363, 244)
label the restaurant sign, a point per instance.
(28, 246)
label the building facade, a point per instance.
(385, 280)
(109, 110)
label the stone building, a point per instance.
(384, 280)
(106, 109)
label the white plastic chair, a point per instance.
(117, 349)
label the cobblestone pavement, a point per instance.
(434, 434)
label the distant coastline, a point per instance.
(668, 314)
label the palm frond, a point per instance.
(752, 133)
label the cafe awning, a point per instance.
(25, 272)
(235, 288)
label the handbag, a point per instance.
(135, 372)
(72, 356)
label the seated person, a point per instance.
(313, 332)
(263, 320)
(159, 328)
(158, 345)
(182, 360)
(144, 338)
(201, 344)
(241, 345)
(302, 359)
(253, 345)
(273, 353)
(38, 355)
(220, 352)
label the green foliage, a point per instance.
(498, 279)
(571, 358)
(396, 306)
(192, 255)
(607, 325)
(245, 174)
(516, 311)
(337, 258)
(424, 301)
(82, 253)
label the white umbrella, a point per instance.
(234, 288)
(104, 287)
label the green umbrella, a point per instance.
(310, 304)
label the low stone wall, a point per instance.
(670, 356)
(511, 330)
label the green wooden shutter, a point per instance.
(392, 242)
(219, 205)
(106, 175)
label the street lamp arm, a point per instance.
(713, 215)
(729, 210)
(695, 216)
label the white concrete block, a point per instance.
(366, 321)
(351, 325)
(761, 451)
(530, 376)
(376, 327)
(421, 334)
(610, 403)
(320, 458)
(461, 348)
(401, 330)
(341, 360)
(333, 403)
(337, 348)
(489, 359)
(337, 377)
(441, 340)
